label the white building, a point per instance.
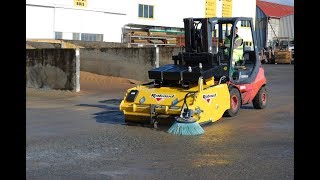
(104, 20)
(64, 19)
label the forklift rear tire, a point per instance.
(261, 99)
(235, 102)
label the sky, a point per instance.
(285, 2)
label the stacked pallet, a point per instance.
(152, 37)
(161, 34)
(157, 34)
(139, 41)
(139, 33)
(171, 41)
(156, 41)
(283, 57)
(180, 40)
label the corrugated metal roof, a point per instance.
(274, 9)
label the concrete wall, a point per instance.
(59, 68)
(96, 44)
(53, 68)
(132, 63)
(43, 45)
(52, 43)
(28, 46)
(166, 53)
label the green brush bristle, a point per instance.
(180, 128)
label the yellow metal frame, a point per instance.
(208, 101)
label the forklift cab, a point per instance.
(205, 55)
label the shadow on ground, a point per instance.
(110, 114)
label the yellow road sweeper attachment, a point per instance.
(205, 102)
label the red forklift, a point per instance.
(204, 45)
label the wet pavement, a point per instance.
(84, 137)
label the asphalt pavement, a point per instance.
(85, 137)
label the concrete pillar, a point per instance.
(77, 89)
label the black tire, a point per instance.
(235, 103)
(260, 101)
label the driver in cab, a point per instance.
(237, 55)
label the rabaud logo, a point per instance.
(208, 97)
(160, 97)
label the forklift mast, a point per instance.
(198, 36)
